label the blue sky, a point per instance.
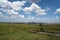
(45, 11)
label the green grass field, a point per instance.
(12, 31)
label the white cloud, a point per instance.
(28, 10)
(30, 18)
(57, 10)
(6, 5)
(35, 8)
(3, 0)
(32, 0)
(21, 16)
(1, 14)
(41, 12)
(13, 5)
(11, 8)
(32, 8)
(17, 17)
(17, 5)
(12, 12)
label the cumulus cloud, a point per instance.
(35, 8)
(41, 12)
(12, 5)
(11, 8)
(21, 16)
(27, 10)
(57, 10)
(17, 17)
(30, 18)
(3, 0)
(32, 0)
(17, 5)
(12, 12)
(5, 5)
(1, 14)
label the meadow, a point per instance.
(18, 31)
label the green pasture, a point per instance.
(12, 31)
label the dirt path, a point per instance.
(47, 33)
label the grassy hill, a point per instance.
(16, 31)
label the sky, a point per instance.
(42, 11)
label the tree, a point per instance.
(41, 28)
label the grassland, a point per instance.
(15, 31)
